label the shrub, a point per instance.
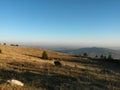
(96, 56)
(102, 57)
(85, 54)
(11, 44)
(110, 57)
(0, 51)
(57, 63)
(44, 55)
(4, 43)
(16, 45)
(105, 58)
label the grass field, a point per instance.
(25, 64)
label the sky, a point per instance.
(60, 22)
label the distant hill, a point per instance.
(94, 51)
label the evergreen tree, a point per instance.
(44, 55)
(80, 55)
(110, 57)
(105, 58)
(4, 43)
(102, 57)
(96, 56)
(0, 51)
(85, 54)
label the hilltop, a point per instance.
(25, 52)
(25, 64)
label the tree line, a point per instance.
(103, 57)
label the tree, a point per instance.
(4, 43)
(110, 57)
(0, 51)
(80, 55)
(57, 63)
(44, 55)
(102, 57)
(105, 58)
(85, 54)
(96, 56)
(16, 45)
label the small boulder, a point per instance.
(57, 63)
(15, 82)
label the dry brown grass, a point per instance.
(25, 64)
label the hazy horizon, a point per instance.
(61, 23)
(58, 46)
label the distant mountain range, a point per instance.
(93, 52)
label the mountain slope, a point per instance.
(24, 64)
(94, 51)
(20, 52)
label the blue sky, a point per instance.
(61, 22)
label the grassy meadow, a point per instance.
(25, 64)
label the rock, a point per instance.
(15, 82)
(57, 63)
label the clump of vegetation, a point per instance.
(96, 56)
(14, 45)
(0, 51)
(106, 58)
(4, 44)
(110, 57)
(102, 57)
(57, 63)
(44, 55)
(85, 54)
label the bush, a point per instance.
(57, 63)
(4, 43)
(101, 57)
(44, 55)
(0, 51)
(85, 54)
(14, 45)
(110, 57)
